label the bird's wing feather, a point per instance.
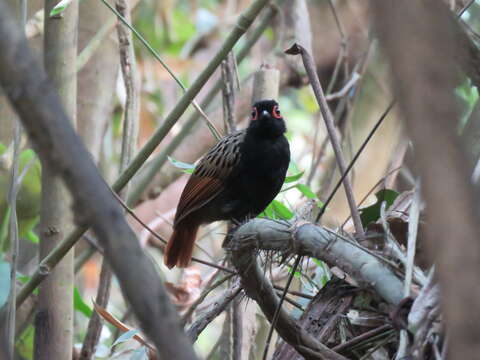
(208, 179)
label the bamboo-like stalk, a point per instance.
(50, 261)
(54, 319)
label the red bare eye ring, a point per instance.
(254, 114)
(276, 112)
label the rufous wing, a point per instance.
(197, 192)
(208, 179)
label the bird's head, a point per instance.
(266, 119)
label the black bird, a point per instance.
(235, 180)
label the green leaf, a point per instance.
(125, 337)
(32, 237)
(80, 305)
(186, 167)
(294, 177)
(60, 8)
(268, 213)
(24, 344)
(297, 273)
(372, 213)
(4, 282)
(281, 210)
(305, 190)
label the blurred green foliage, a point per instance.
(28, 197)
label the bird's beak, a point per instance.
(265, 113)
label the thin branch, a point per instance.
(122, 18)
(199, 325)
(330, 124)
(410, 265)
(361, 338)
(161, 239)
(465, 8)
(346, 88)
(229, 89)
(202, 297)
(50, 261)
(357, 155)
(15, 183)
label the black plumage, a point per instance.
(235, 180)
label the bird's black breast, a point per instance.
(260, 176)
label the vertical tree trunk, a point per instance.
(54, 321)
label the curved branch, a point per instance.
(318, 242)
(260, 289)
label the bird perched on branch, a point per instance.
(235, 180)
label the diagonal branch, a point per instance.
(45, 120)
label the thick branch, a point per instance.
(421, 42)
(317, 242)
(40, 110)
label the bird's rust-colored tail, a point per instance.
(179, 249)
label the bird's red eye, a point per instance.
(254, 114)
(276, 112)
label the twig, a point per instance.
(330, 124)
(161, 239)
(295, 293)
(199, 325)
(230, 85)
(202, 297)
(360, 150)
(360, 338)
(50, 261)
(372, 189)
(409, 268)
(211, 126)
(394, 246)
(465, 8)
(15, 183)
(346, 88)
